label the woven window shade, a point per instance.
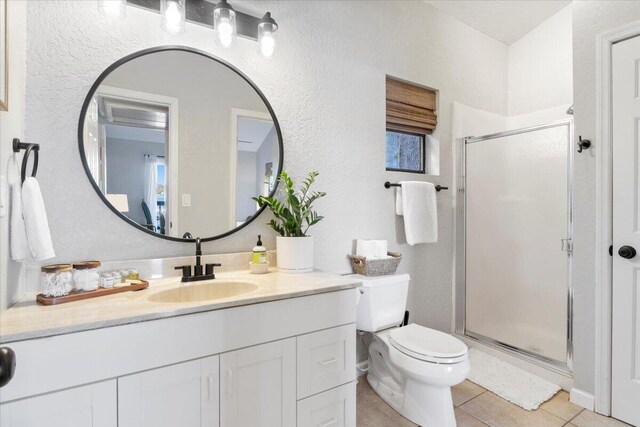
(410, 108)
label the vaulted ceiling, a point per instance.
(504, 20)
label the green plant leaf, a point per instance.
(294, 212)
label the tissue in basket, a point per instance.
(375, 267)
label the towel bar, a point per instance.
(389, 185)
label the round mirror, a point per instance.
(178, 143)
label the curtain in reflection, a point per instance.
(151, 182)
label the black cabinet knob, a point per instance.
(7, 365)
(627, 252)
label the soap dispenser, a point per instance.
(259, 252)
(259, 263)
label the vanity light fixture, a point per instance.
(224, 23)
(113, 9)
(173, 16)
(266, 39)
(221, 17)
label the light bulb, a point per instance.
(225, 32)
(267, 44)
(224, 22)
(173, 16)
(266, 29)
(113, 9)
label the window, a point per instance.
(405, 152)
(161, 173)
(411, 117)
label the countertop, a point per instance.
(29, 320)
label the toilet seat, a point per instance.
(428, 345)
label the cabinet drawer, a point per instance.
(332, 408)
(326, 359)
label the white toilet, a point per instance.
(412, 367)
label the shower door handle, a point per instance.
(567, 245)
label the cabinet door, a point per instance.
(332, 408)
(258, 386)
(185, 395)
(87, 406)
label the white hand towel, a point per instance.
(420, 212)
(17, 233)
(18, 243)
(399, 201)
(35, 219)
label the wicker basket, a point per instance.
(375, 267)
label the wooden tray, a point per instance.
(78, 296)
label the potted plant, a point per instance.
(294, 215)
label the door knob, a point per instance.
(627, 252)
(7, 365)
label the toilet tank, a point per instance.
(382, 303)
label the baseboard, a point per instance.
(582, 398)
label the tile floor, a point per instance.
(477, 407)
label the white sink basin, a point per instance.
(210, 290)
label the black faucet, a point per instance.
(197, 274)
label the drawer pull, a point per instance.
(210, 387)
(328, 361)
(329, 422)
(229, 382)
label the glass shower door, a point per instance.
(518, 230)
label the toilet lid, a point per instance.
(415, 340)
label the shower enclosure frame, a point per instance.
(460, 251)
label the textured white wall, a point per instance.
(326, 85)
(589, 18)
(12, 126)
(540, 65)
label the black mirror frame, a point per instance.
(118, 63)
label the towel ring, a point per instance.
(17, 146)
(25, 160)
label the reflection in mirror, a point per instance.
(180, 143)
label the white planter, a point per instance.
(295, 254)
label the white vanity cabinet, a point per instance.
(185, 394)
(258, 386)
(281, 363)
(87, 406)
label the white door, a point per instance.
(185, 395)
(258, 386)
(87, 406)
(626, 231)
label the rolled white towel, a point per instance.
(379, 248)
(35, 219)
(365, 248)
